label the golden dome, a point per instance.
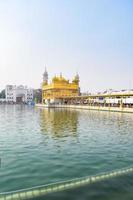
(55, 79)
(59, 79)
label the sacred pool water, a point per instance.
(44, 146)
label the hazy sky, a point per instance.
(93, 37)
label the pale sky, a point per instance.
(93, 37)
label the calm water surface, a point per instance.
(41, 146)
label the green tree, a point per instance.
(2, 94)
(38, 96)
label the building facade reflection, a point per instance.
(59, 122)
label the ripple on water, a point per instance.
(40, 146)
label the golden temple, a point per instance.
(59, 87)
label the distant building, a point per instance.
(18, 94)
(58, 88)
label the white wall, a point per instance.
(12, 92)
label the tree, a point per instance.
(2, 94)
(38, 96)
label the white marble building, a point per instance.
(18, 94)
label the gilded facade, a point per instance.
(58, 88)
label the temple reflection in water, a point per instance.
(59, 122)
